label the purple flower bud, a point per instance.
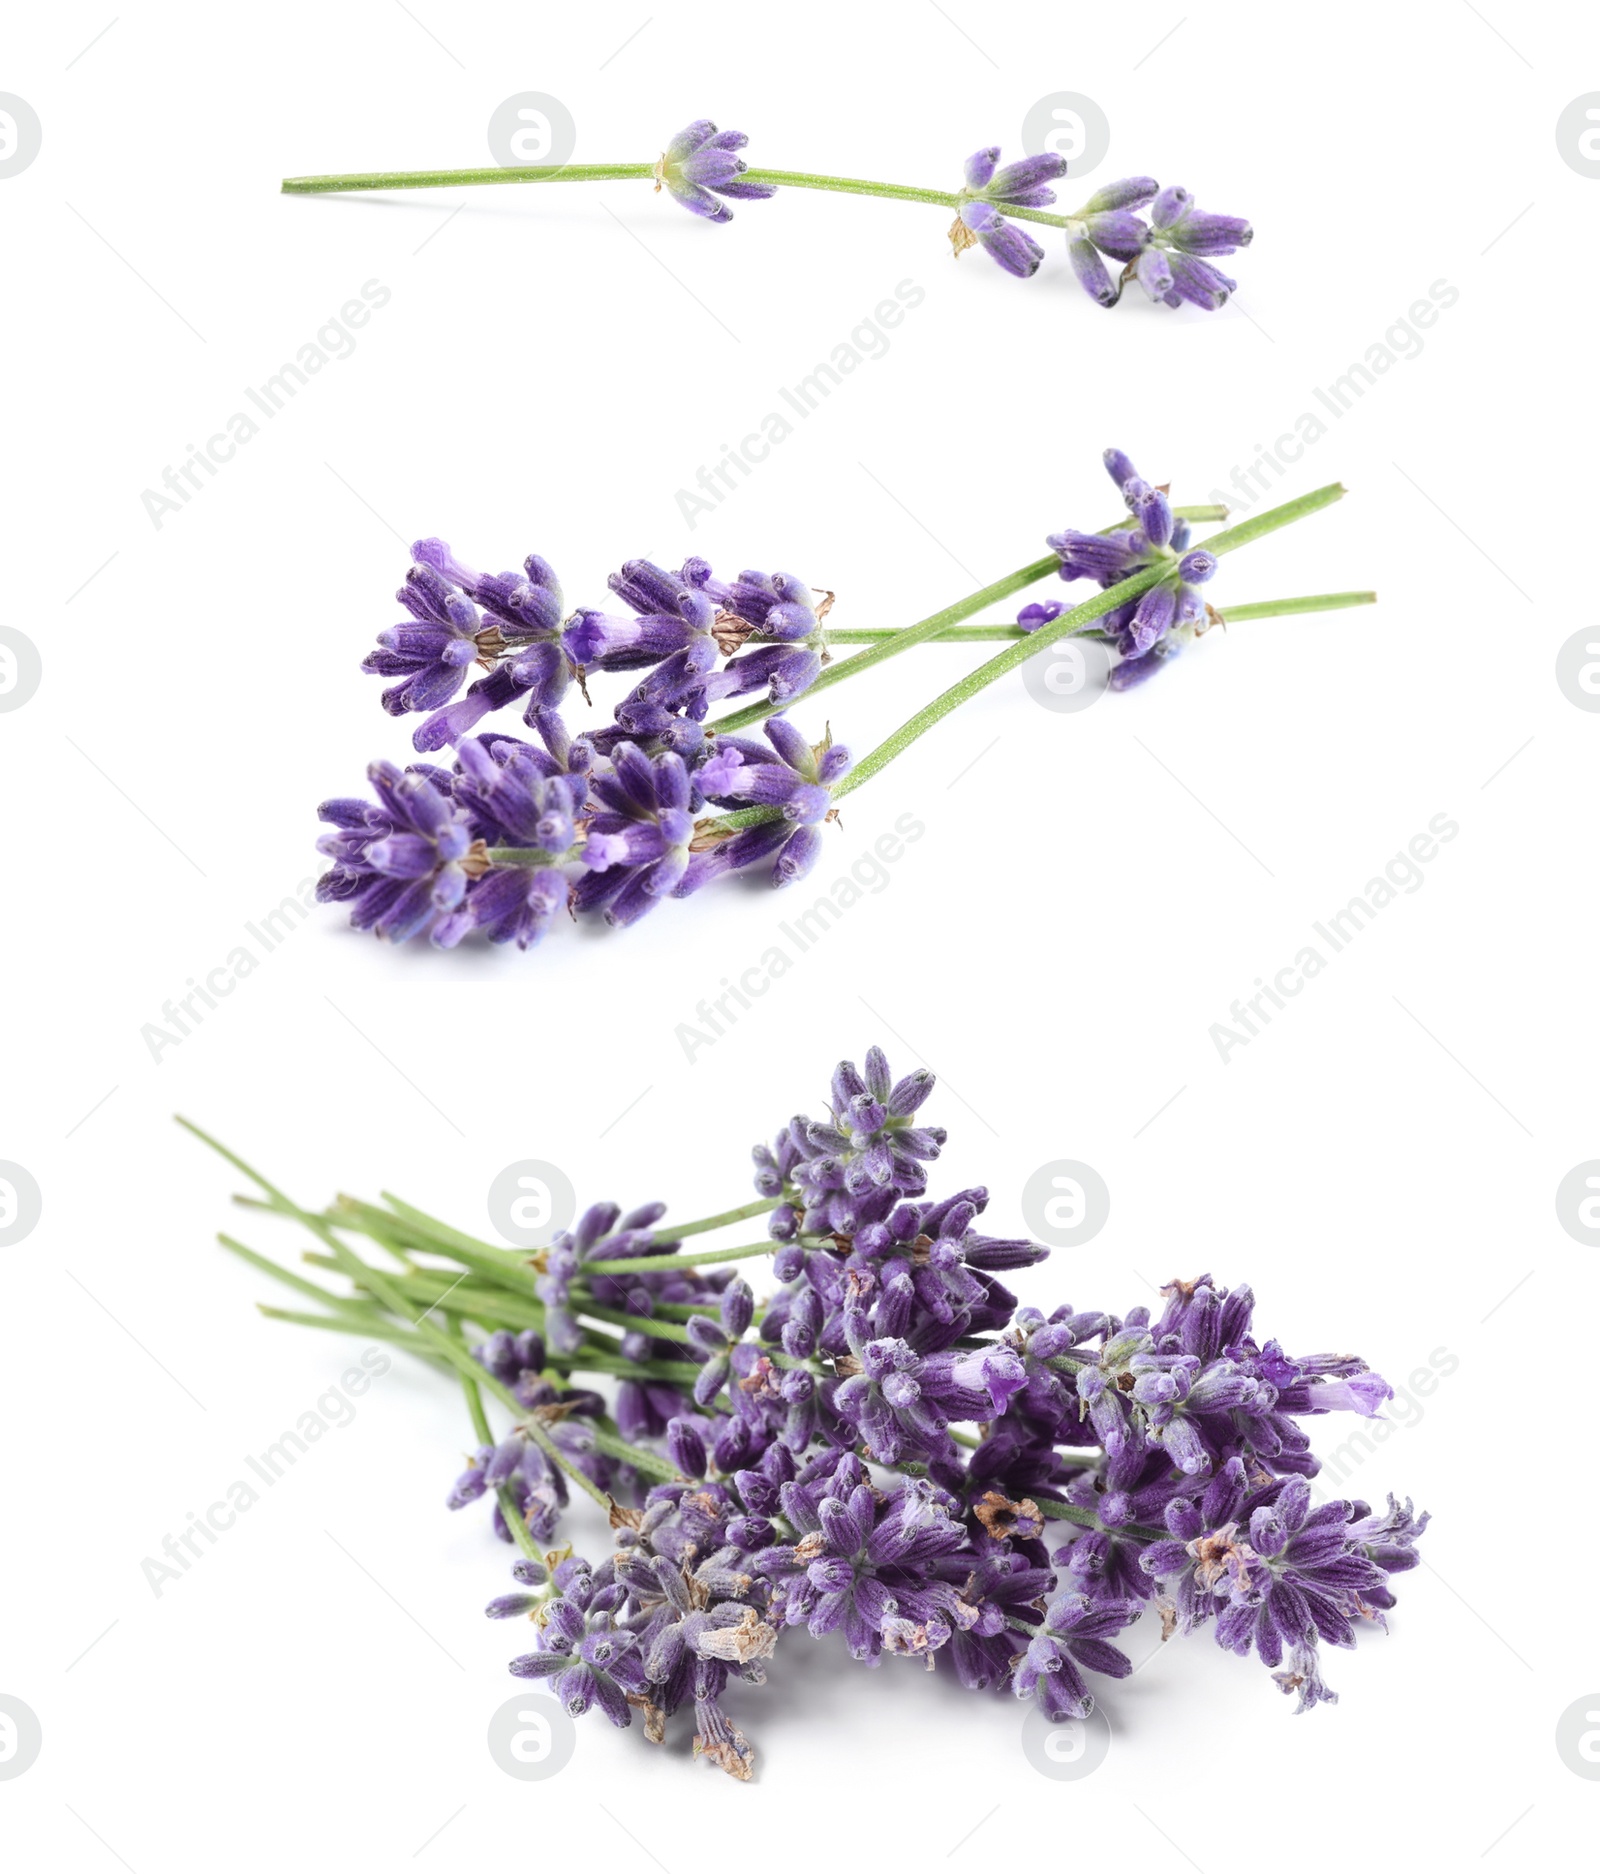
(1131, 192)
(738, 1306)
(686, 1448)
(510, 1606)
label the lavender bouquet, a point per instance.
(668, 797)
(1171, 254)
(886, 1445)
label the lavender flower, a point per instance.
(853, 1168)
(1176, 268)
(863, 1565)
(400, 863)
(699, 164)
(589, 1661)
(1020, 185)
(638, 842)
(1107, 225)
(431, 655)
(1147, 630)
(520, 642)
(792, 776)
(1074, 1634)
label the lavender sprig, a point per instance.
(701, 169)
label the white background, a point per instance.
(1087, 900)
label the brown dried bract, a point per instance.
(1217, 1553)
(750, 1638)
(961, 236)
(620, 1516)
(1000, 1516)
(709, 833)
(732, 1753)
(655, 1719)
(730, 631)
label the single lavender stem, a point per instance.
(757, 1207)
(464, 178)
(376, 1326)
(657, 1327)
(634, 172)
(996, 634)
(608, 1439)
(641, 1265)
(1070, 1513)
(530, 856)
(1283, 608)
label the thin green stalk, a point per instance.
(1285, 608)
(646, 1265)
(757, 1207)
(287, 1276)
(451, 1349)
(1086, 1519)
(611, 1441)
(429, 1288)
(453, 1242)
(1233, 614)
(658, 1328)
(349, 1321)
(636, 172)
(464, 178)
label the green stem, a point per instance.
(1000, 634)
(636, 172)
(1284, 608)
(1086, 1519)
(609, 1440)
(757, 1207)
(645, 1265)
(451, 1349)
(463, 178)
(374, 1326)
